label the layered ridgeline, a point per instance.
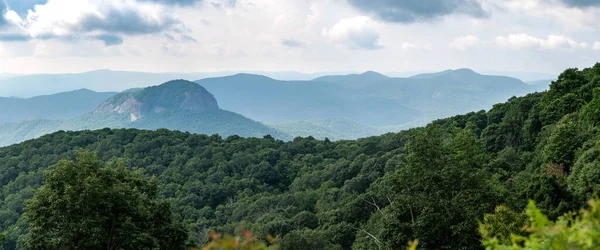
(60, 106)
(432, 183)
(370, 99)
(176, 105)
(108, 80)
(334, 106)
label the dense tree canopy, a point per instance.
(432, 183)
(85, 205)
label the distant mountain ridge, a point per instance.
(456, 72)
(111, 80)
(334, 106)
(354, 80)
(380, 101)
(116, 81)
(60, 106)
(176, 105)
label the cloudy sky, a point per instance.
(55, 36)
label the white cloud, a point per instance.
(562, 42)
(518, 41)
(57, 17)
(13, 17)
(465, 42)
(94, 19)
(597, 45)
(524, 41)
(406, 46)
(359, 32)
(13, 30)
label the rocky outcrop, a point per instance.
(170, 96)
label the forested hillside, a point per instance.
(432, 183)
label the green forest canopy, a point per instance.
(85, 204)
(432, 183)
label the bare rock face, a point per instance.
(170, 96)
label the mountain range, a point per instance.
(109, 81)
(115, 81)
(65, 105)
(334, 106)
(176, 105)
(370, 98)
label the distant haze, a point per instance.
(336, 106)
(17, 85)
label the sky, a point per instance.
(66, 36)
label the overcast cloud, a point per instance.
(408, 11)
(51, 36)
(581, 3)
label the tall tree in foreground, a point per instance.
(85, 204)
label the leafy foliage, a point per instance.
(503, 225)
(571, 231)
(85, 205)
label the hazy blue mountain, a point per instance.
(287, 75)
(362, 104)
(370, 98)
(117, 81)
(110, 81)
(447, 93)
(404, 74)
(354, 80)
(521, 75)
(545, 84)
(6, 75)
(430, 75)
(336, 128)
(176, 105)
(266, 99)
(60, 106)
